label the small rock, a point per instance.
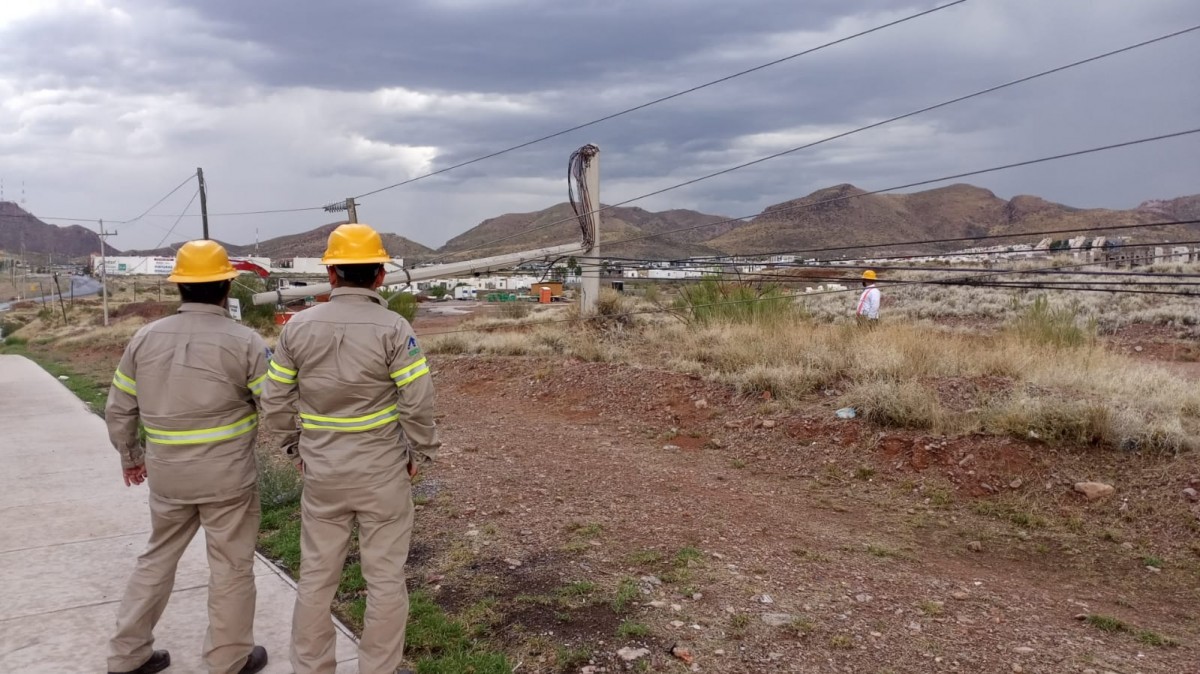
(1138, 348)
(676, 608)
(653, 580)
(671, 448)
(683, 654)
(877, 635)
(63, 377)
(975, 546)
(914, 626)
(677, 624)
(777, 619)
(1191, 494)
(774, 656)
(1127, 545)
(1153, 569)
(589, 669)
(701, 404)
(846, 413)
(766, 599)
(1094, 491)
(1024, 650)
(697, 597)
(658, 604)
(769, 423)
(629, 654)
(513, 563)
(719, 651)
(472, 532)
(960, 596)
(1015, 484)
(863, 598)
(1017, 668)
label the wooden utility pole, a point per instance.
(590, 281)
(61, 303)
(203, 200)
(351, 212)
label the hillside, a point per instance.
(523, 231)
(845, 215)
(309, 244)
(20, 230)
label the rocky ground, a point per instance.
(591, 517)
(749, 538)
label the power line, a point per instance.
(921, 183)
(785, 296)
(874, 125)
(656, 101)
(147, 211)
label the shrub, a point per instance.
(402, 303)
(713, 300)
(1040, 323)
(515, 310)
(253, 315)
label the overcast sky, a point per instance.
(105, 105)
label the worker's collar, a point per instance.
(869, 286)
(357, 295)
(199, 308)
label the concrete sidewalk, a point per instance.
(70, 532)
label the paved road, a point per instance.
(83, 285)
(70, 532)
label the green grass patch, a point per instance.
(627, 591)
(352, 579)
(645, 557)
(580, 588)
(1106, 623)
(632, 630)
(283, 545)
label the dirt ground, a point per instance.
(579, 509)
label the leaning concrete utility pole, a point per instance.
(203, 200)
(590, 282)
(104, 271)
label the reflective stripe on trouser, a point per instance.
(231, 531)
(385, 521)
(350, 424)
(203, 435)
(407, 375)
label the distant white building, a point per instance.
(311, 265)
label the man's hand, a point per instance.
(134, 476)
(412, 470)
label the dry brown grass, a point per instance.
(1080, 395)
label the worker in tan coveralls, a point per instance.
(346, 384)
(191, 381)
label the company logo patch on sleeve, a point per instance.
(412, 347)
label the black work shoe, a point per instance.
(158, 661)
(256, 661)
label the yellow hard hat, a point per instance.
(202, 261)
(355, 244)
(869, 274)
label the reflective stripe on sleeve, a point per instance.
(407, 375)
(256, 385)
(281, 374)
(125, 383)
(203, 435)
(349, 424)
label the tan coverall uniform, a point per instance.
(192, 381)
(348, 382)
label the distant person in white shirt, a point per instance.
(868, 303)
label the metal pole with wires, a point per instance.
(584, 171)
(104, 271)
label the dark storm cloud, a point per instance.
(287, 104)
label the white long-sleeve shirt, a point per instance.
(868, 303)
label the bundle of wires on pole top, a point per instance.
(584, 209)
